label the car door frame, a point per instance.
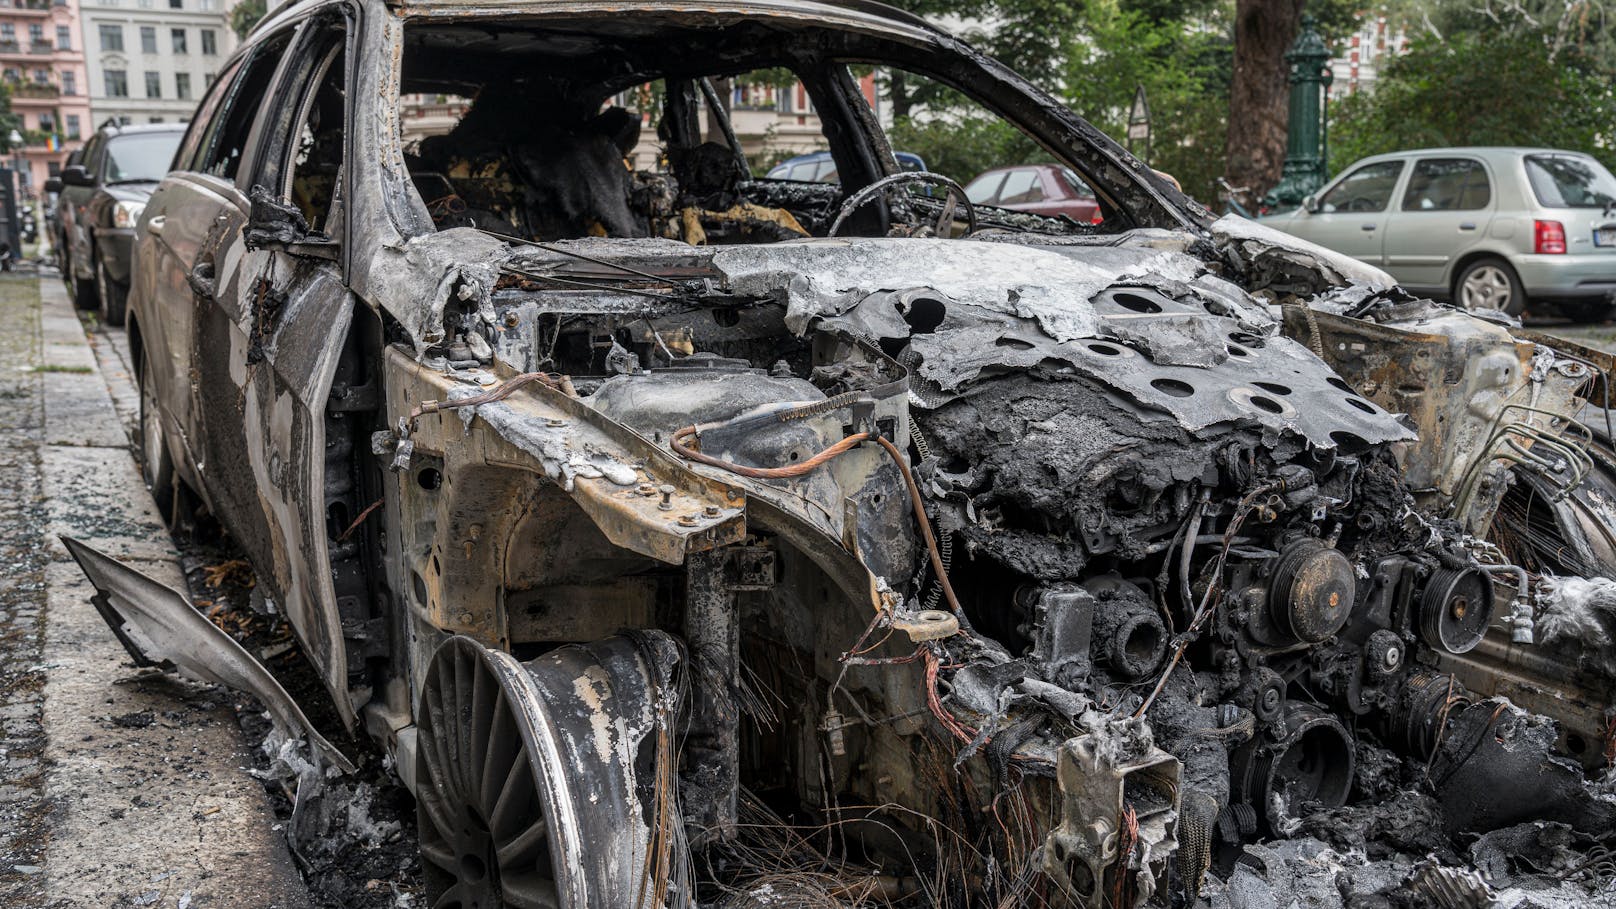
(1305, 218)
(77, 199)
(167, 339)
(1472, 224)
(287, 315)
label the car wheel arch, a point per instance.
(137, 345)
(1470, 257)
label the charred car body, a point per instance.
(676, 530)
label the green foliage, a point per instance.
(1481, 87)
(1184, 66)
(1527, 72)
(8, 121)
(245, 15)
(1092, 55)
(966, 145)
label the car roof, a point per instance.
(1486, 151)
(866, 13)
(137, 128)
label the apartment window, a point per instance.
(41, 77)
(210, 42)
(157, 119)
(182, 86)
(64, 38)
(70, 82)
(8, 32)
(36, 33)
(117, 83)
(178, 35)
(112, 37)
(47, 123)
(154, 85)
(53, 168)
(148, 39)
(176, 4)
(72, 126)
(207, 80)
(13, 74)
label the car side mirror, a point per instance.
(76, 175)
(273, 224)
(53, 185)
(1310, 204)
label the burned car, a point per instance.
(688, 538)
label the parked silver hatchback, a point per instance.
(1492, 228)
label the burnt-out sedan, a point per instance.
(689, 538)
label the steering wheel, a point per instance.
(945, 220)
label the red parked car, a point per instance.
(1047, 189)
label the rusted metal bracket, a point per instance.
(642, 498)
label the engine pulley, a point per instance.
(1456, 608)
(1312, 590)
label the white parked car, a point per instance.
(1494, 228)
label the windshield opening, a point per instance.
(1570, 181)
(141, 157)
(707, 137)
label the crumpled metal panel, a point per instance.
(1264, 250)
(159, 627)
(1172, 355)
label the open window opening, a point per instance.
(314, 177)
(657, 129)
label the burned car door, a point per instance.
(180, 232)
(281, 314)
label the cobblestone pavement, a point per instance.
(23, 805)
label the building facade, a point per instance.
(149, 61)
(1375, 42)
(42, 63)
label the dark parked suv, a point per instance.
(102, 196)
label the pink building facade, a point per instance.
(42, 64)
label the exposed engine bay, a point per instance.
(1164, 608)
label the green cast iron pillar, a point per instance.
(1306, 143)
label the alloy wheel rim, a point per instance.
(150, 432)
(485, 836)
(1486, 287)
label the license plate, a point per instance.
(1605, 236)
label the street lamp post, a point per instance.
(17, 162)
(1306, 139)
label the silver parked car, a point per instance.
(1494, 228)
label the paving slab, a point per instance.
(146, 774)
(81, 412)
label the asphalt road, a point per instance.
(118, 787)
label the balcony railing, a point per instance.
(26, 6)
(26, 91)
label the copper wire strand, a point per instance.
(677, 443)
(361, 519)
(499, 393)
(1128, 840)
(1210, 599)
(925, 525)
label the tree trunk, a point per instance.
(723, 88)
(898, 87)
(1260, 92)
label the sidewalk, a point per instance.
(149, 802)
